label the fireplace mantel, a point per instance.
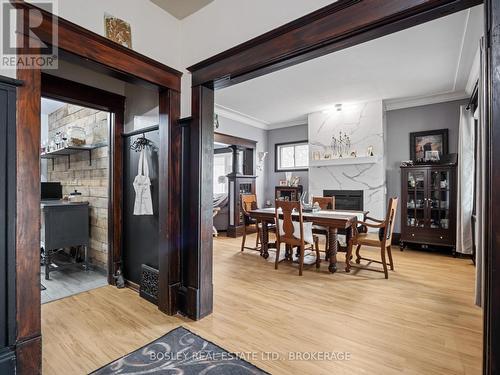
(344, 161)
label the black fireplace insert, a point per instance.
(346, 199)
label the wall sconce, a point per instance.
(261, 156)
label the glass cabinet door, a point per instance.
(439, 200)
(415, 205)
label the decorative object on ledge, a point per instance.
(216, 121)
(421, 143)
(149, 284)
(118, 30)
(341, 146)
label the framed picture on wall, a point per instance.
(432, 144)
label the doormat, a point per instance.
(180, 352)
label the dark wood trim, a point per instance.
(276, 157)
(98, 49)
(76, 93)
(131, 285)
(197, 246)
(102, 55)
(170, 204)
(10, 81)
(492, 259)
(28, 299)
(337, 26)
(231, 140)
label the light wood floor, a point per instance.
(420, 321)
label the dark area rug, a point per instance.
(180, 352)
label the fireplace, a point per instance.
(346, 199)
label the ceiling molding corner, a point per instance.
(240, 117)
(287, 124)
(394, 104)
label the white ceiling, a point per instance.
(181, 8)
(49, 106)
(432, 59)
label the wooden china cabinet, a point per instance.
(428, 205)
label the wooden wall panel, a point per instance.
(28, 216)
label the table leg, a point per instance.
(332, 249)
(264, 240)
(350, 241)
(86, 258)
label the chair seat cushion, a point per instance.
(369, 239)
(308, 234)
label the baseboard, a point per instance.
(131, 285)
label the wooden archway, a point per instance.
(337, 26)
(115, 60)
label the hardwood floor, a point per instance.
(420, 321)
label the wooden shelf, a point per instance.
(344, 161)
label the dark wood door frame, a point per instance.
(337, 26)
(107, 57)
(76, 93)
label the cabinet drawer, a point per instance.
(428, 238)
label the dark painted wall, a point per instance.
(140, 233)
(7, 228)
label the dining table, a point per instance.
(334, 220)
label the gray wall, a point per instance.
(237, 129)
(402, 122)
(291, 134)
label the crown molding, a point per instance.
(394, 104)
(288, 124)
(240, 117)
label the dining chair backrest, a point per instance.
(325, 203)
(248, 203)
(285, 232)
(390, 219)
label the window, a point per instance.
(292, 156)
(223, 165)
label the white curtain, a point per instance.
(480, 225)
(465, 191)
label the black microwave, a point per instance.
(51, 191)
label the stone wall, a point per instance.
(90, 180)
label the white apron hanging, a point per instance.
(142, 186)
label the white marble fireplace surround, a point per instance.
(364, 123)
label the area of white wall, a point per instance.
(364, 123)
(226, 23)
(149, 24)
(237, 129)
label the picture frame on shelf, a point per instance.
(430, 140)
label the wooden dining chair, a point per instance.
(382, 239)
(249, 203)
(325, 203)
(293, 233)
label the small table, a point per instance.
(331, 219)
